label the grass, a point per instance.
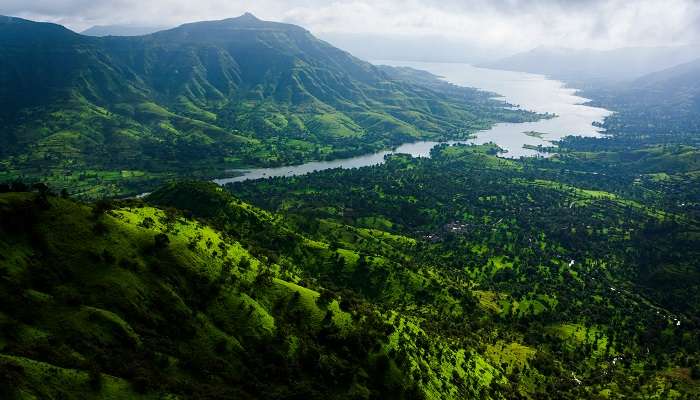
(575, 335)
(50, 381)
(514, 355)
(489, 300)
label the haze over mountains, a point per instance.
(671, 95)
(594, 66)
(569, 64)
(365, 46)
(644, 85)
(121, 30)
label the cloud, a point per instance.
(506, 24)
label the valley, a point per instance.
(528, 91)
(315, 226)
(123, 114)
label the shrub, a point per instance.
(161, 241)
(101, 207)
(147, 222)
(325, 298)
(10, 376)
(695, 372)
(95, 378)
(99, 228)
(244, 263)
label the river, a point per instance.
(528, 91)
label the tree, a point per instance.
(18, 186)
(147, 222)
(161, 241)
(325, 297)
(244, 263)
(11, 375)
(101, 207)
(695, 372)
(95, 378)
(263, 279)
(41, 188)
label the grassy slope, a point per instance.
(91, 302)
(561, 267)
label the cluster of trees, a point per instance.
(566, 229)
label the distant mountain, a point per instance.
(121, 30)
(206, 96)
(593, 66)
(678, 84)
(665, 103)
(412, 48)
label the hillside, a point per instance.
(677, 87)
(116, 115)
(137, 302)
(658, 108)
(459, 276)
(582, 260)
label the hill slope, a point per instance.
(581, 261)
(201, 98)
(136, 302)
(659, 108)
(506, 279)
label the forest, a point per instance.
(126, 273)
(460, 275)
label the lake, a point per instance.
(528, 91)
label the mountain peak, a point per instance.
(248, 16)
(247, 19)
(227, 29)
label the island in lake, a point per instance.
(539, 135)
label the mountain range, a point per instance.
(463, 275)
(205, 97)
(663, 105)
(364, 45)
(121, 30)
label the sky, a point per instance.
(484, 25)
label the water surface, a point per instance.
(528, 91)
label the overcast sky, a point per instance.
(509, 25)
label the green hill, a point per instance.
(574, 264)
(130, 301)
(354, 284)
(116, 114)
